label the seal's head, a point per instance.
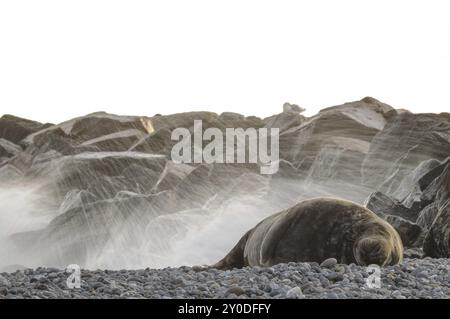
(378, 250)
(372, 250)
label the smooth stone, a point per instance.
(329, 263)
(295, 293)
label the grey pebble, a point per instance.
(328, 263)
(295, 293)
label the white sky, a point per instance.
(60, 59)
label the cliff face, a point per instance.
(107, 193)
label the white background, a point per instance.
(60, 59)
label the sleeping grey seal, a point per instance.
(315, 230)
